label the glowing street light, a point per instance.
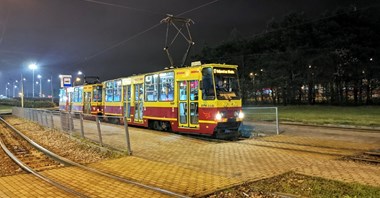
(79, 79)
(40, 77)
(50, 80)
(6, 90)
(14, 87)
(33, 67)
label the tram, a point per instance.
(201, 99)
(86, 99)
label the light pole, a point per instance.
(33, 67)
(51, 87)
(22, 91)
(78, 79)
(6, 90)
(40, 77)
(14, 87)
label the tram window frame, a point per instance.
(97, 91)
(109, 91)
(78, 91)
(151, 88)
(208, 87)
(117, 91)
(166, 86)
(62, 95)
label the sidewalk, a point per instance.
(194, 167)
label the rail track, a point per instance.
(372, 157)
(36, 160)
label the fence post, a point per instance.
(99, 131)
(69, 122)
(46, 119)
(51, 119)
(81, 125)
(127, 136)
(278, 130)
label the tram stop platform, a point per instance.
(195, 167)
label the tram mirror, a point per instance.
(201, 85)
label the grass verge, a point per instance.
(299, 186)
(363, 116)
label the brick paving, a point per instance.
(194, 167)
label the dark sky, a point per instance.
(64, 36)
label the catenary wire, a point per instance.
(140, 33)
(123, 6)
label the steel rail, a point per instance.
(69, 162)
(35, 173)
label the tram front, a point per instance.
(221, 106)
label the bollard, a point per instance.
(127, 136)
(99, 131)
(81, 125)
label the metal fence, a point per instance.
(90, 127)
(262, 120)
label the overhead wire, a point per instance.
(122, 6)
(140, 33)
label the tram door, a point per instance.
(188, 104)
(127, 101)
(87, 103)
(139, 102)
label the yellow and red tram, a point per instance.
(201, 99)
(85, 99)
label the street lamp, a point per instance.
(51, 87)
(14, 87)
(80, 78)
(40, 77)
(33, 67)
(6, 89)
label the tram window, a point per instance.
(166, 86)
(208, 84)
(151, 83)
(227, 85)
(62, 96)
(80, 94)
(97, 94)
(194, 90)
(117, 91)
(109, 91)
(77, 94)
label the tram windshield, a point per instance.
(225, 84)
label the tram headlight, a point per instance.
(239, 114)
(218, 116)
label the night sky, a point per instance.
(107, 38)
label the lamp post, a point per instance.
(51, 87)
(6, 90)
(22, 91)
(33, 67)
(78, 79)
(14, 87)
(40, 77)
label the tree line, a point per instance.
(331, 59)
